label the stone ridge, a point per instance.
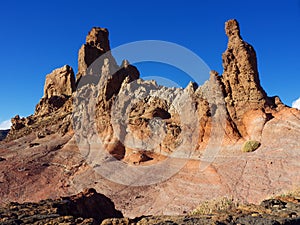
(239, 84)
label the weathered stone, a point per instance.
(221, 114)
(60, 82)
(3, 134)
(59, 86)
(87, 207)
(17, 123)
(243, 91)
(97, 44)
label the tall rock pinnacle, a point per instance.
(97, 43)
(243, 91)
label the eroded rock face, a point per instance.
(3, 134)
(222, 114)
(59, 86)
(17, 124)
(243, 91)
(53, 109)
(150, 118)
(98, 37)
(60, 82)
(87, 207)
(97, 43)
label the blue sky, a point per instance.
(39, 36)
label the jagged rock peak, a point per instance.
(232, 28)
(214, 75)
(98, 36)
(59, 86)
(125, 63)
(191, 87)
(240, 77)
(57, 102)
(60, 81)
(97, 44)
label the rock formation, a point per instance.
(3, 134)
(240, 76)
(97, 43)
(17, 124)
(53, 109)
(278, 210)
(243, 91)
(142, 124)
(59, 86)
(87, 207)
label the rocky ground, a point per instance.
(87, 207)
(92, 208)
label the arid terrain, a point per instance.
(97, 129)
(89, 208)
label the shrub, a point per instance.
(250, 146)
(214, 206)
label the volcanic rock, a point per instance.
(3, 134)
(87, 207)
(97, 43)
(240, 75)
(243, 91)
(116, 118)
(52, 110)
(60, 82)
(59, 86)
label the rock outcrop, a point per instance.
(17, 124)
(59, 86)
(3, 134)
(240, 77)
(87, 207)
(97, 44)
(91, 208)
(54, 108)
(140, 124)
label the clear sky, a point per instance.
(39, 36)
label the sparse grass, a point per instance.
(294, 193)
(250, 146)
(215, 206)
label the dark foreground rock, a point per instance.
(275, 211)
(88, 207)
(3, 134)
